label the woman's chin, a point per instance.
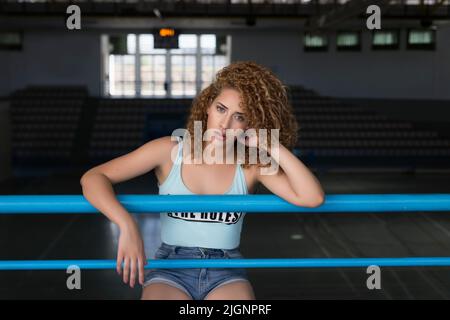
(217, 139)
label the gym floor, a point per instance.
(28, 237)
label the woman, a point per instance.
(244, 97)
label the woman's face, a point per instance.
(225, 113)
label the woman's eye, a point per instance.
(240, 118)
(220, 109)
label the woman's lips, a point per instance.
(220, 137)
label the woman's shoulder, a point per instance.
(162, 144)
(168, 143)
(159, 148)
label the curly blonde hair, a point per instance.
(264, 101)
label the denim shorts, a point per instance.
(195, 282)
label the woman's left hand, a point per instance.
(249, 138)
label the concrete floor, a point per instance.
(263, 236)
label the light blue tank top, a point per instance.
(221, 230)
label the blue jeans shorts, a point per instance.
(196, 283)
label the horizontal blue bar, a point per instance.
(231, 263)
(58, 204)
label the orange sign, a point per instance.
(166, 32)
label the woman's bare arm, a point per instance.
(97, 184)
(293, 181)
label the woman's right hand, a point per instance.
(131, 253)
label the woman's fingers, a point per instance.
(137, 266)
(126, 270)
(133, 271)
(141, 270)
(131, 266)
(119, 263)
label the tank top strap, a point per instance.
(239, 183)
(179, 152)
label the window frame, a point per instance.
(315, 49)
(349, 48)
(199, 55)
(12, 47)
(422, 46)
(395, 46)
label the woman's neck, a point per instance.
(227, 156)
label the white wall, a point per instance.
(370, 74)
(57, 58)
(73, 58)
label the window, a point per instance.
(122, 75)
(183, 75)
(214, 57)
(153, 75)
(210, 65)
(315, 42)
(385, 39)
(423, 39)
(10, 41)
(136, 68)
(348, 41)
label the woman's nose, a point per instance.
(225, 122)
